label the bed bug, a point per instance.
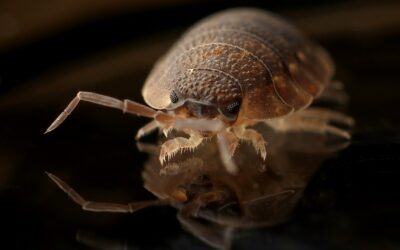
(213, 205)
(230, 71)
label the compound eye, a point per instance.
(230, 112)
(174, 97)
(233, 108)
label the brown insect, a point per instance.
(212, 204)
(230, 71)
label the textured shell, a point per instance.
(247, 52)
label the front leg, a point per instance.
(171, 147)
(256, 139)
(127, 106)
(227, 144)
(147, 129)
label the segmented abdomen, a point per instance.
(278, 69)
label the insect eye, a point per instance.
(174, 97)
(233, 108)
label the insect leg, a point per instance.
(126, 106)
(256, 139)
(315, 120)
(227, 143)
(146, 129)
(171, 147)
(95, 206)
(233, 142)
(326, 115)
(148, 148)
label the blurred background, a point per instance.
(49, 50)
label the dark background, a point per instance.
(51, 49)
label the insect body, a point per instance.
(230, 71)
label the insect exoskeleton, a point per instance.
(229, 71)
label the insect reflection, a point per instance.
(213, 204)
